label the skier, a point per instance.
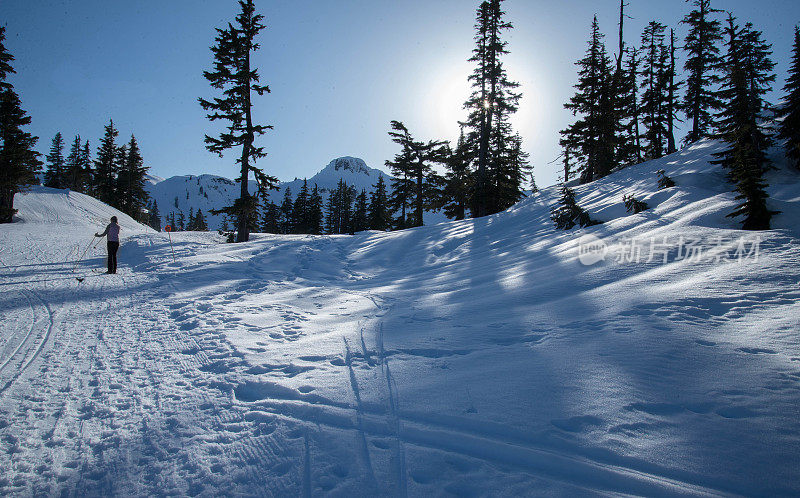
(112, 231)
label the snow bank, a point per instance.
(495, 356)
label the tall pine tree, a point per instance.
(86, 163)
(402, 188)
(76, 174)
(584, 138)
(702, 62)
(154, 218)
(286, 219)
(270, 219)
(789, 111)
(106, 166)
(301, 210)
(340, 209)
(360, 220)
(132, 195)
(457, 179)
(19, 162)
(492, 102)
(630, 146)
(747, 77)
(234, 75)
(414, 161)
(655, 67)
(380, 218)
(315, 214)
(55, 176)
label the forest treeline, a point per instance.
(626, 107)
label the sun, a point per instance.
(445, 102)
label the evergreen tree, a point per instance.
(457, 181)
(509, 174)
(106, 166)
(339, 210)
(301, 210)
(235, 76)
(621, 128)
(19, 162)
(286, 225)
(190, 225)
(379, 216)
(414, 162)
(702, 60)
(360, 220)
(663, 180)
(654, 83)
(155, 216)
(569, 143)
(76, 174)
(315, 215)
(630, 147)
(747, 77)
(132, 195)
(673, 86)
(119, 166)
(55, 176)
(200, 222)
(347, 196)
(402, 188)
(181, 225)
(634, 205)
(789, 128)
(584, 138)
(86, 164)
(270, 220)
(492, 102)
(568, 213)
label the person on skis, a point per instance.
(112, 231)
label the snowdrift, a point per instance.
(62, 209)
(655, 354)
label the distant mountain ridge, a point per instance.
(206, 192)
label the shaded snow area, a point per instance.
(478, 357)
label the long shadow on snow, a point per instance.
(549, 305)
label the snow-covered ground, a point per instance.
(478, 357)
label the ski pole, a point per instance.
(82, 255)
(168, 229)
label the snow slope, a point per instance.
(478, 357)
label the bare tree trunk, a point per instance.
(7, 205)
(671, 104)
(243, 228)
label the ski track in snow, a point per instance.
(470, 358)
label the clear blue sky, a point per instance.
(339, 71)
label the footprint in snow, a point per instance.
(189, 325)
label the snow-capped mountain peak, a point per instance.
(354, 164)
(206, 192)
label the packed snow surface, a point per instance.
(478, 357)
